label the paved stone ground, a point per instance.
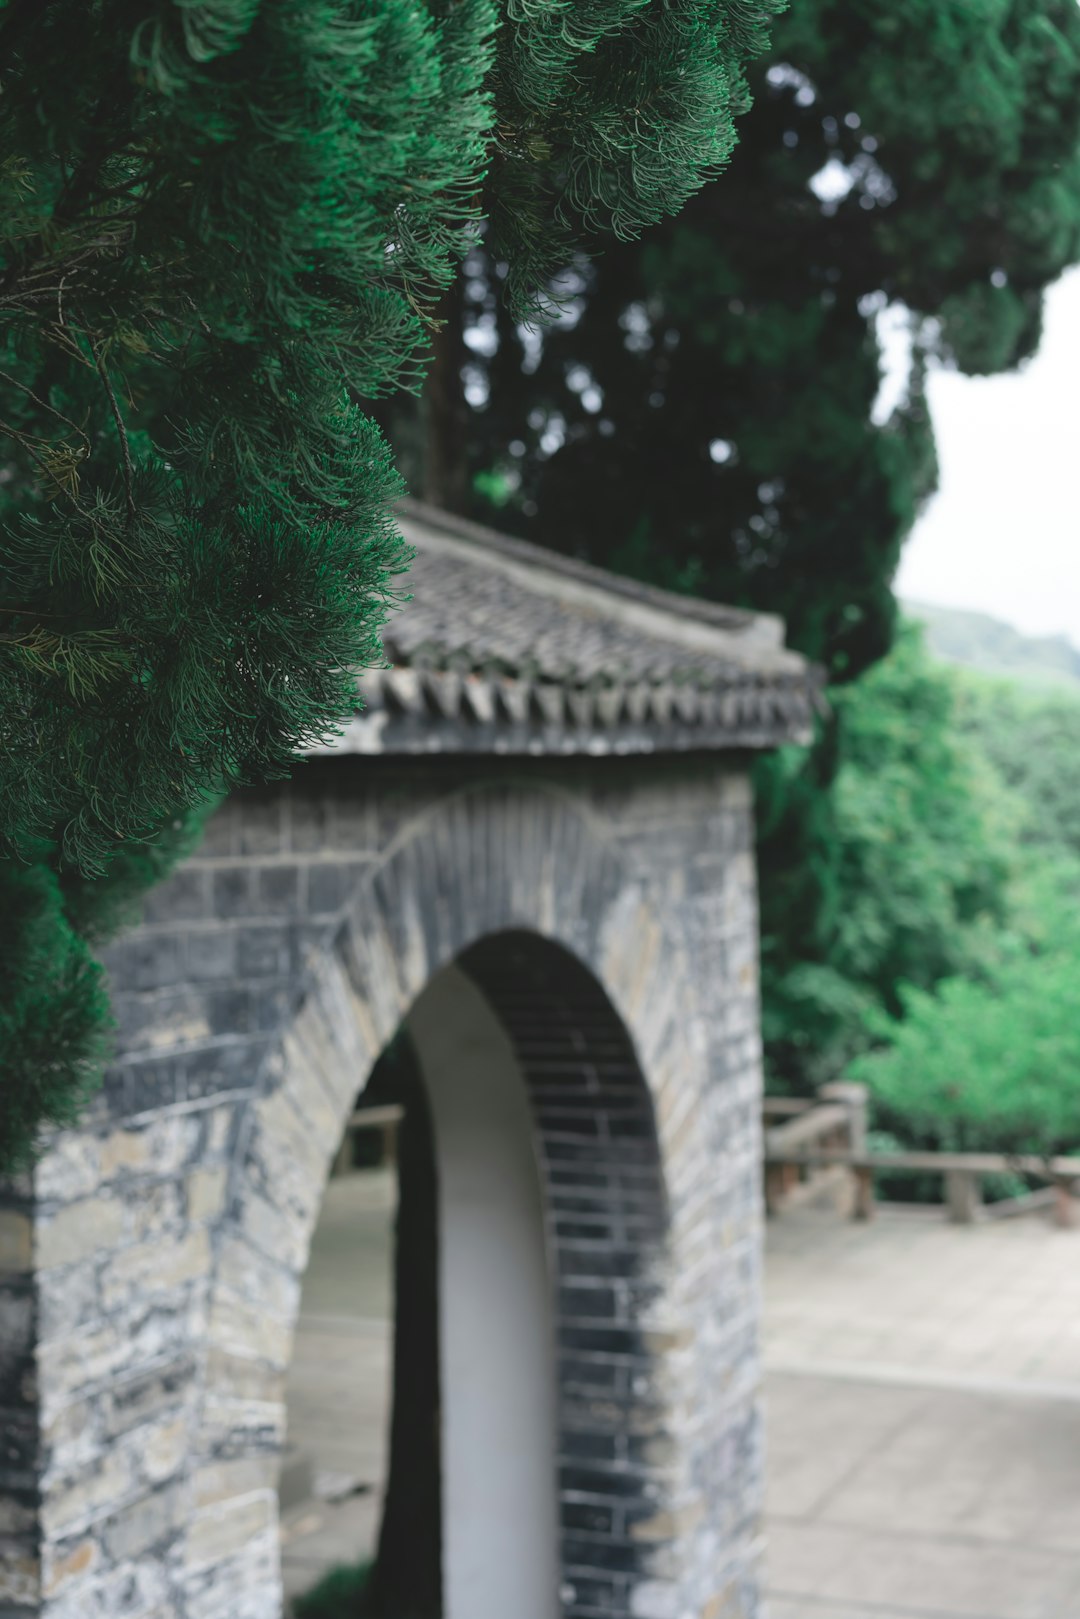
(339, 1381)
(924, 1419)
(923, 1401)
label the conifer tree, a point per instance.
(224, 229)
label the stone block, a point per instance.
(233, 891)
(307, 815)
(244, 1271)
(69, 1503)
(218, 1126)
(219, 837)
(70, 1168)
(655, 1599)
(181, 898)
(259, 829)
(210, 953)
(16, 1242)
(158, 959)
(155, 1208)
(135, 1590)
(161, 1147)
(130, 1403)
(72, 1436)
(121, 1344)
(249, 1331)
(277, 890)
(271, 1230)
(230, 1011)
(353, 821)
(238, 1380)
(227, 1067)
(162, 1264)
(245, 1586)
(206, 1190)
(74, 1561)
(20, 1578)
(330, 884)
(159, 1021)
(162, 1447)
(292, 1165)
(227, 1528)
(156, 1517)
(221, 1481)
(79, 1231)
(261, 952)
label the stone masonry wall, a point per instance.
(150, 1270)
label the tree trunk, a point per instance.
(445, 412)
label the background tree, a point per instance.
(989, 1063)
(707, 409)
(1032, 738)
(224, 227)
(913, 875)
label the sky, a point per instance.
(1003, 533)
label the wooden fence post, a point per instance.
(864, 1193)
(1066, 1205)
(856, 1099)
(963, 1196)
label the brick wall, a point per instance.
(152, 1267)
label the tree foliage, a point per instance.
(988, 1059)
(1032, 739)
(990, 1063)
(703, 411)
(224, 229)
(903, 873)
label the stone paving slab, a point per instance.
(923, 1410)
(912, 1296)
(923, 1418)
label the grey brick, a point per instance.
(330, 884)
(278, 890)
(259, 829)
(234, 891)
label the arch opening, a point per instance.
(546, 1209)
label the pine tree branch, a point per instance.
(125, 447)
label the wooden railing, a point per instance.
(816, 1139)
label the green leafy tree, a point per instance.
(914, 844)
(1031, 736)
(990, 1064)
(224, 229)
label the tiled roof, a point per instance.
(506, 647)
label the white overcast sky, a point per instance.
(1003, 533)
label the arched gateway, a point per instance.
(534, 847)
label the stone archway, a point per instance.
(491, 859)
(555, 752)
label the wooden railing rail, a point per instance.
(835, 1122)
(831, 1134)
(785, 1107)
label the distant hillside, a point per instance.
(977, 641)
